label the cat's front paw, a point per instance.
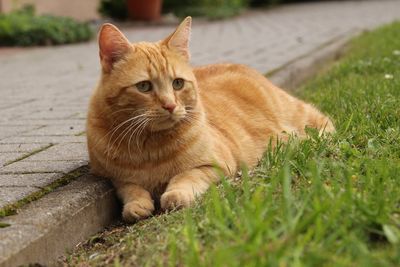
(137, 209)
(176, 199)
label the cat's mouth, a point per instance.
(166, 122)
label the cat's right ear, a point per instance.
(179, 40)
(113, 46)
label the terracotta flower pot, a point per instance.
(149, 10)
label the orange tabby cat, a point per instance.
(158, 127)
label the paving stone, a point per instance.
(6, 157)
(43, 139)
(45, 114)
(68, 151)
(42, 123)
(30, 179)
(9, 195)
(66, 129)
(25, 166)
(14, 130)
(21, 147)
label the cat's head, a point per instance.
(150, 81)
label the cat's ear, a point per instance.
(113, 46)
(179, 40)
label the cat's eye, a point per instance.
(144, 86)
(178, 83)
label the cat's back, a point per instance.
(240, 106)
(244, 109)
(229, 91)
(235, 84)
(233, 77)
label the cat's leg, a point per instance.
(137, 201)
(185, 187)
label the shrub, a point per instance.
(213, 9)
(24, 28)
(114, 9)
(257, 3)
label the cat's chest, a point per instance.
(152, 176)
(151, 169)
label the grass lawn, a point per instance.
(332, 201)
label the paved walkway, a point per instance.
(44, 92)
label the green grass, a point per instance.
(332, 201)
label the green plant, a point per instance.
(24, 28)
(258, 3)
(114, 9)
(213, 9)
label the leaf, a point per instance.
(392, 233)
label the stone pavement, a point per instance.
(44, 91)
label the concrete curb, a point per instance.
(45, 229)
(291, 75)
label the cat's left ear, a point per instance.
(179, 40)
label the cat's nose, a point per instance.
(169, 106)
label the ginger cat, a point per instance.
(158, 127)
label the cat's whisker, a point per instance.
(128, 120)
(191, 118)
(139, 133)
(139, 111)
(142, 124)
(194, 113)
(131, 128)
(111, 150)
(134, 133)
(121, 136)
(108, 149)
(112, 131)
(158, 115)
(129, 144)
